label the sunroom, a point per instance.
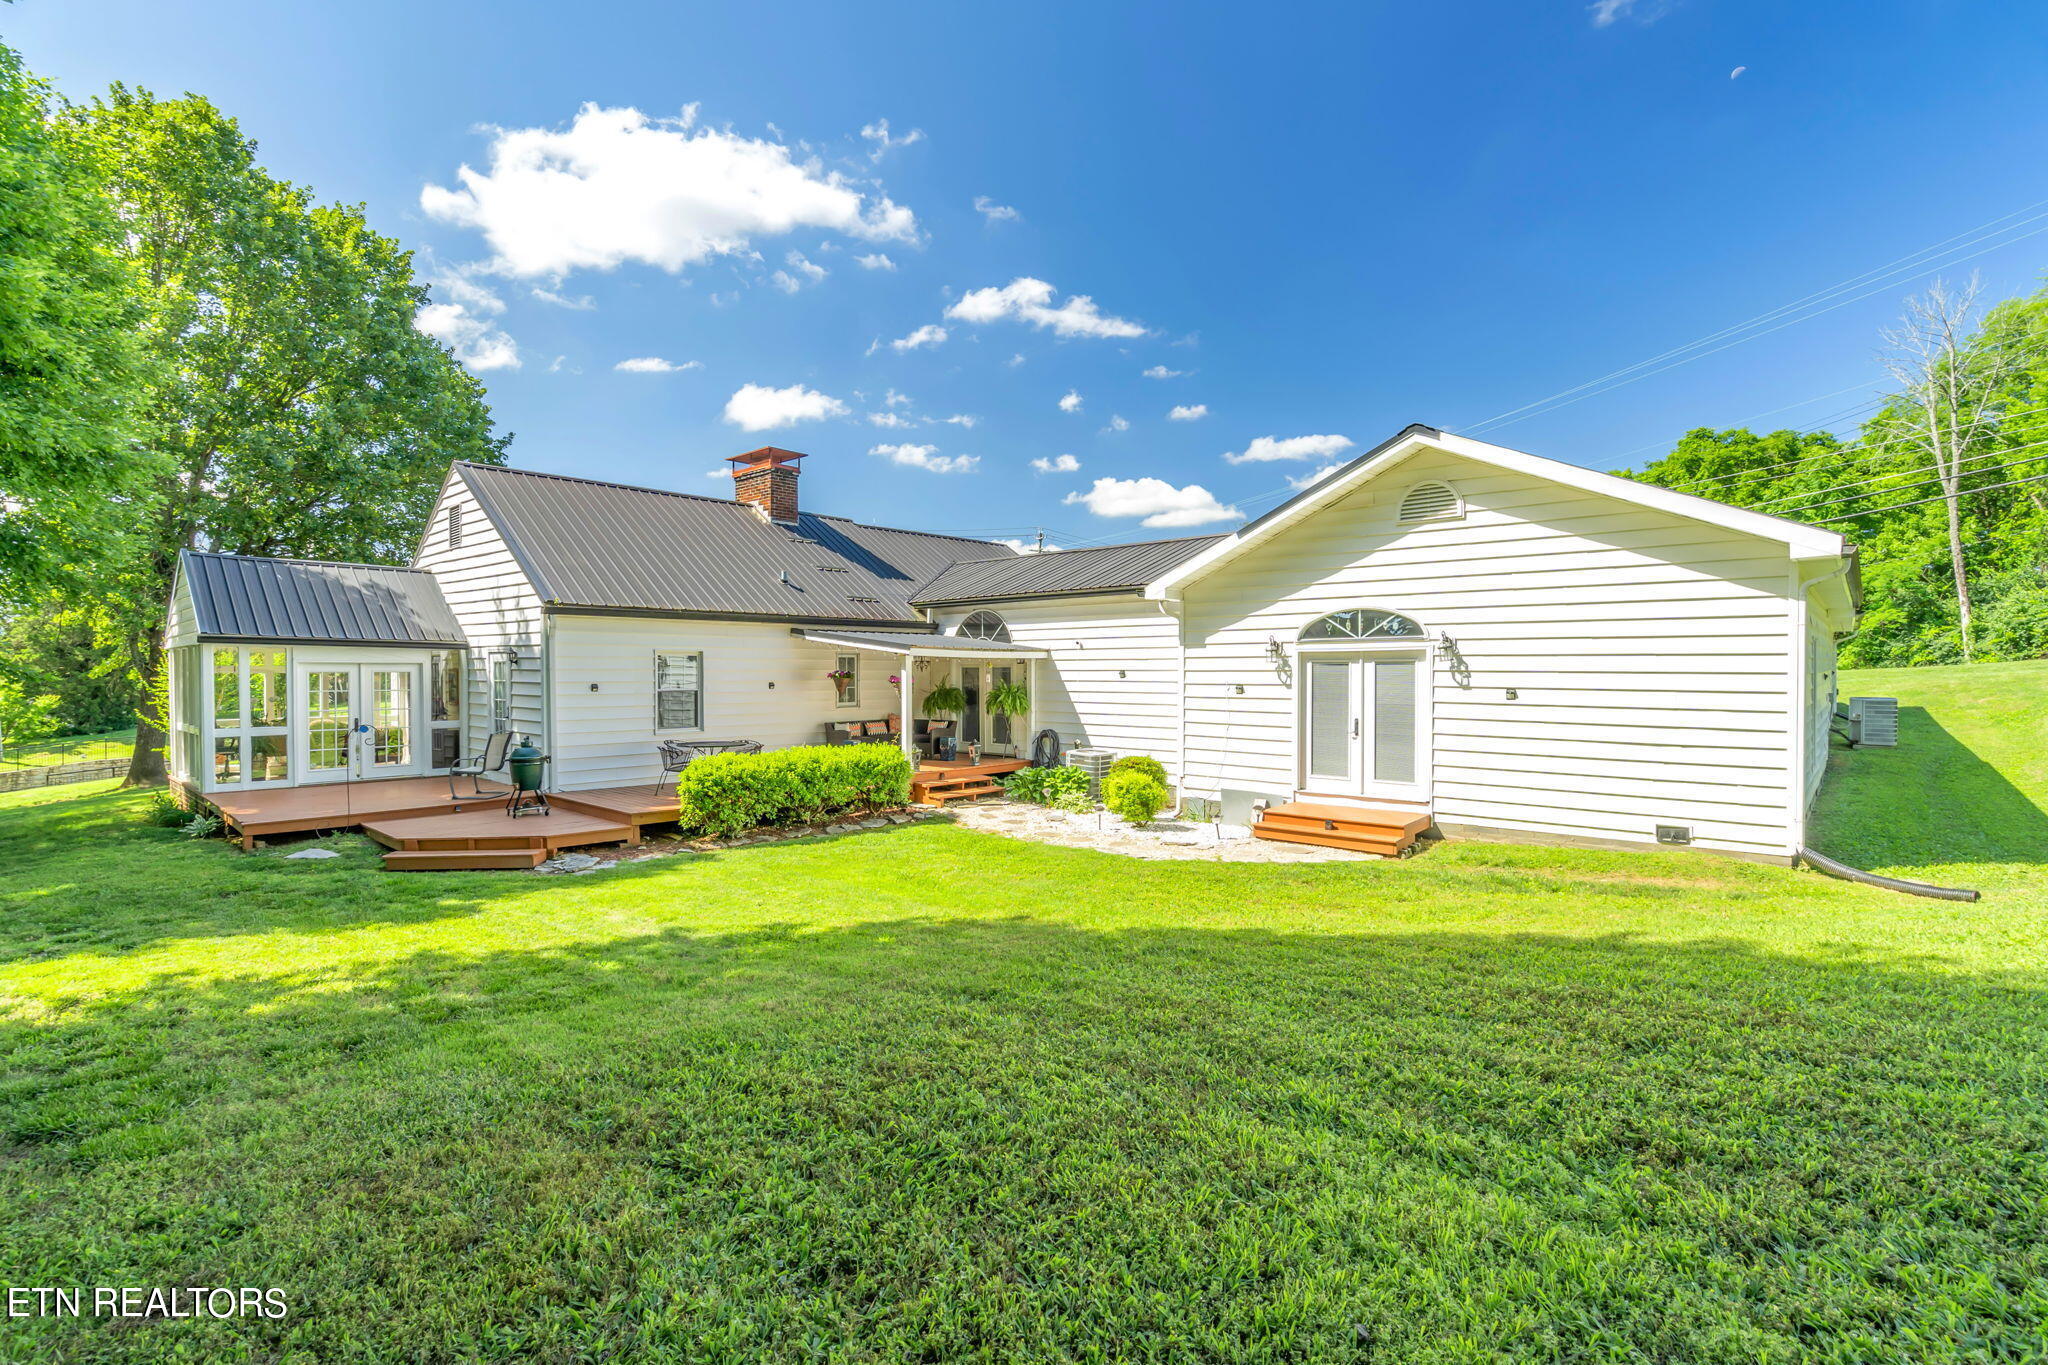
(291, 673)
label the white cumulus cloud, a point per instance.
(616, 186)
(1031, 301)
(1024, 547)
(1313, 476)
(890, 420)
(1185, 412)
(1161, 372)
(463, 324)
(1267, 448)
(654, 364)
(581, 303)
(926, 457)
(1117, 423)
(1156, 500)
(754, 407)
(1072, 402)
(877, 261)
(931, 334)
(994, 212)
(1058, 464)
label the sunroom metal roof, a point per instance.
(1103, 568)
(309, 601)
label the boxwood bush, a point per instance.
(1133, 795)
(1139, 763)
(726, 793)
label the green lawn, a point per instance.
(47, 753)
(922, 1094)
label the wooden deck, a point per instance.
(1386, 832)
(490, 838)
(343, 805)
(638, 804)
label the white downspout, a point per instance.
(1169, 606)
(903, 710)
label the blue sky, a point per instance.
(1305, 221)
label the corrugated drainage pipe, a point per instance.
(1820, 862)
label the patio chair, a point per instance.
(678, 754)
(491, 760)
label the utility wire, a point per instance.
(1902, 473)
(1939, 497)
(1799, 514)
(1750, 330)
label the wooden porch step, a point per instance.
(938, 793)
(1383, 832)
(456, 860)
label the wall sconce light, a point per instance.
(1461, 672)
(1240, 689)
(771, 685)
(1120, 673)
(1276, 651)
(593, 687)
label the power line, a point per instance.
(1904, 473)
(1886, 275)
(1929, 475)
(1939, 497)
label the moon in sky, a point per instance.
(1737, 72)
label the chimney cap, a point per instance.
(774, 456)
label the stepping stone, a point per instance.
(313, 853)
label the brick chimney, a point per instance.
(765, 480)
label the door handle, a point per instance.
(1354, 727)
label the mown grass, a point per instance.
(930, 1095)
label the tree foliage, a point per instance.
(1884, 492)
(293, 407)
(70, 358)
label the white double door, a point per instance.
(1364, 725)
(358, 720)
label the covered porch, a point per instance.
(990, 740)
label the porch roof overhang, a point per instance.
(910, 642)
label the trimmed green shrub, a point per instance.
(1133, 795)
(1137, 763)
(1078, 803)
(726, 793)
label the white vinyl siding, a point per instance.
(1114, 676)
(604, 689)
(1652, 657)
(497, 608)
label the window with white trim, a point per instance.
(678, 690)
(501, 693)
(846, 677)
(1431, 501)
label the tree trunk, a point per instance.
(146, 767)
(1955, 559)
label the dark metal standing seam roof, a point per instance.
(1105, 568)
(903, 642)
(308, 601)
(616, 547)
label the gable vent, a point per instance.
(1431, 502)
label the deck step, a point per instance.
(455, 860)
(1385, 833)
(939, 794)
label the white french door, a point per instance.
(359, 721)
(1364, 725)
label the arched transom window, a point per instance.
(985, 625)
(1362, 623)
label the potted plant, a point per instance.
(943, 700)
(842, 679)
(1008, 699)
